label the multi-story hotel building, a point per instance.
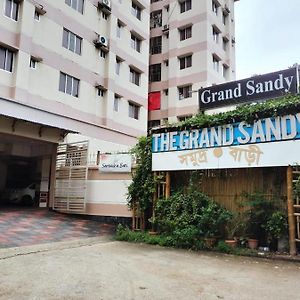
(192, 45)
(76, 72)
(68, 66)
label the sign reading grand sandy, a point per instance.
(256, 88)
(265, 143)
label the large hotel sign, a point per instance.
(256, 88)
(268, 142)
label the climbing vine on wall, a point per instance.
(289, 104)
(142, 187)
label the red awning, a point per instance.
(154, 101)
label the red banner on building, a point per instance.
(154, 101)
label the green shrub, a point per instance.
(188, 215)
(125, 234)
(276, 225)
(185, 237)
(180, 239)
(259, 216)
(223, 247)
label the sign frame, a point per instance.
(256, 88)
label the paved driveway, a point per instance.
(30, 226)
(115, 270)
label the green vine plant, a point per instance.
(296, 187)
(289, 104)
(140, 191)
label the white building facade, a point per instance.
(192, 45)
(73, 66)
(77, 72)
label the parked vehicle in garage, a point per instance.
(21, 195)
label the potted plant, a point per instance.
(275, 227)
(235, 228)
(258, 210)
(213, 216)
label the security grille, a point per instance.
(71, 177)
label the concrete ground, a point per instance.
(99, 268)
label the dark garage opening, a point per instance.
(24, 169)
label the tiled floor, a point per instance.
(30, 226)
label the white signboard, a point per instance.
(115, 163)
(241, 156)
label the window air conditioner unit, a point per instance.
(101, 42)
(40, 9)
(105, 5)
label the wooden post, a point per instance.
(133, 217)
(154, 203)
(168, 184)
(290, 208)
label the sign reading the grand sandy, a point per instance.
(267, 142)
(256, 88)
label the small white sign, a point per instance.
(115, 163)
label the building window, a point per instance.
(156, 19)
(69, 84)
(133, 111)
(33, 63)
(215, 7)
(136, 10)
(135, 77)
(135, 43)
(153, 123)
(156, 45)
(183, 118)
(102, 54)
(225, 43)
(185, 6)
(117, 100)
(37, 15)
(215, 32)
(100, 92)
(225, 17)
(12, 9)
(76, 4)
(185, 33)
(119, 29)
(118, 65)
(216, 63)
(185, 62)
(184, 92)
(6, 59)
(155, 73)
(104, 15)
(225, 71)
(71, 41)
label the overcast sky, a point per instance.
(267, 36)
